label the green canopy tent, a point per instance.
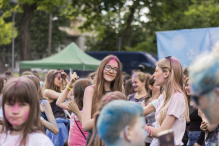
(70, 57)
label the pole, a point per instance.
(13, 16)
(50, 34)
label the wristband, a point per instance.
(68, 87)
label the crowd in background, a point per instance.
(110, 107)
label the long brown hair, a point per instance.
(22, 90)
(99, 80)
(49, 81)
(36, 81)
(78, 91)
(104, 101)
(174, 84)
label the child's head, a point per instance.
(79, 87)
(21, 107)
(53, 80)
(122, 122)
(36, 81)
(140, 81)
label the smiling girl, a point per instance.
(172, 106)
(140, 85)
(22, 124)
(108, 78)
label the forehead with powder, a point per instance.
(114, 117)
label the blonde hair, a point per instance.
(174, 84)
(143, 77)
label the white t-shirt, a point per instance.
(175, 108)
(1, 113)
(34, 139)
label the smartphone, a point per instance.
(166, 138)
(70, 70)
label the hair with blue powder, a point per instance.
(204, 73)
(114, 117)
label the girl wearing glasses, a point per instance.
(51, 91)
(108, 78)
(139, 84)
(172, 108)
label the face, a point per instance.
(159, 77)
(137, 84)
(155, 89)
(187, 88)
(208, 104)
(16, 113)
(58, 80)
(110, 70)
(138, 132)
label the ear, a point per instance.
(150, 87)
(166, 74)
(128, 133)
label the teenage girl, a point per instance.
(108, 78)
(51, 91)
(139, 83)
(172, 109)
(47, 117)
(76, 134)
(22, 125)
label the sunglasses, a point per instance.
(169, 57)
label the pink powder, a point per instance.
(26, 115)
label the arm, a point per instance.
(167, 124)
(61, 100)
(51, 94)
(148, 109)
(51, 123)
(201, 139)
(87, 122)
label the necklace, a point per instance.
(17, 130)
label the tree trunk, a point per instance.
(2, 65)
(24, 30)
(128, 25)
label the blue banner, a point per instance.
(186, 44)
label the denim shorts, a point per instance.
(193, 137)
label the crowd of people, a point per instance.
(112, 108)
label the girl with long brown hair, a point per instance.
(22, 125)
(139, 83)
(51, 91)
(172, 109)
(47, 117)
(108, 78)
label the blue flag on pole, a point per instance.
(186, 44)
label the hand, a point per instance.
(72, 106)
(204, 126)
(63, 74)
(147, 128)
(196, 144)
(74, 77)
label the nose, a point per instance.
(15, 109)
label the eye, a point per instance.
(10, 104)
(22, 104)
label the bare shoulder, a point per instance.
(90, 89)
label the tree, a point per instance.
(28, 7)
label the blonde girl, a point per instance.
(172, 108)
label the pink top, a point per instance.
(175, 108)
(76, 138)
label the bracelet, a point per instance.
(68, 87)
